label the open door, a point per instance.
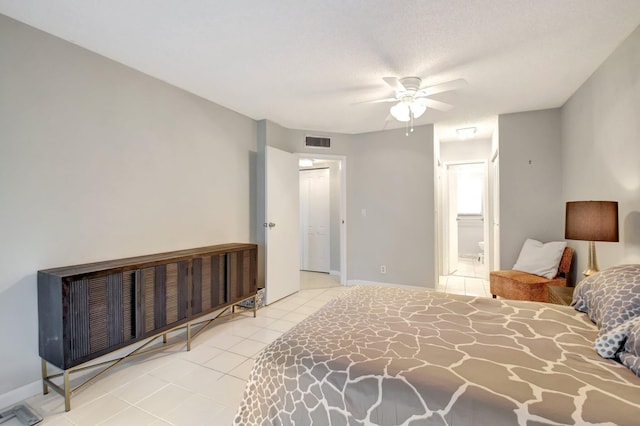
(282, 240)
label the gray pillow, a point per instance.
(611, 299)
(630, 356)
(612, 342)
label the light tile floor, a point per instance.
(470, 286)
(205, 385)
(469, 278)
(470, 267)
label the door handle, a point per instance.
(270, 225)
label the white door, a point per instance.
(486, 256)
(314, 220)
(496, 214)
(452, 218)
(282, 244)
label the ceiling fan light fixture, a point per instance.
(418, 109)
(401, 111)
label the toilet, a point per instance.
(481, 254)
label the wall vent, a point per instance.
(317, 142)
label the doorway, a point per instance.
(466, 195)
(323, 215)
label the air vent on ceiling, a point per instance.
(317, 142)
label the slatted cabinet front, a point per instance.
(242, 274)
(101, 314)
(85, 312)
(209, 278)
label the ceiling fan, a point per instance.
(412, 101)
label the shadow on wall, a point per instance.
(631, 235)
(19, 306)
(572, 276)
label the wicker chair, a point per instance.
(519, 285)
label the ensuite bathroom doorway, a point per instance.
(466, 209)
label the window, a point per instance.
(470, 189)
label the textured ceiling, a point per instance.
(304, 64)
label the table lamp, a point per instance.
(591, 221)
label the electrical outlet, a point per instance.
(383, 269)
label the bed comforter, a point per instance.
(392, 356)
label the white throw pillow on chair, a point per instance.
(540, 258)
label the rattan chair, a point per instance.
(518, 285)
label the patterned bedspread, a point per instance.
(392, 356)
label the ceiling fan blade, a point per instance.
(376, 101)
(433, 104)
(394, 83)
(443, 87)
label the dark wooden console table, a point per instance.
(87, 311)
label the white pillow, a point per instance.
(540, 259)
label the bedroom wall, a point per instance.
(389, 175)
(98, 161)
(531, 204)
(601, 150)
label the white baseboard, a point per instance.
(334, 273)
(363, 282)
(20, 394)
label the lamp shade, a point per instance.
(591, 221)
(401, 111)
(418, 109)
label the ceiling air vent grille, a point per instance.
(317, 142)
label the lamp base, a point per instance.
(592, 265)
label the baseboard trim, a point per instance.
(334, 273)
(381, 284)
(20, 394)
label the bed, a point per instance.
(400, 356)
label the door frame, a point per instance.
(495, 213)
(342, 160)
(444, 212)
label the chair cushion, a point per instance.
(540, 258)
(522, 277)
(518, 285)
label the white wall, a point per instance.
(470, 233)
(531, 203)
(464, 151)
(601, 150)
(97, 162)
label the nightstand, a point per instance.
(560, 295)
